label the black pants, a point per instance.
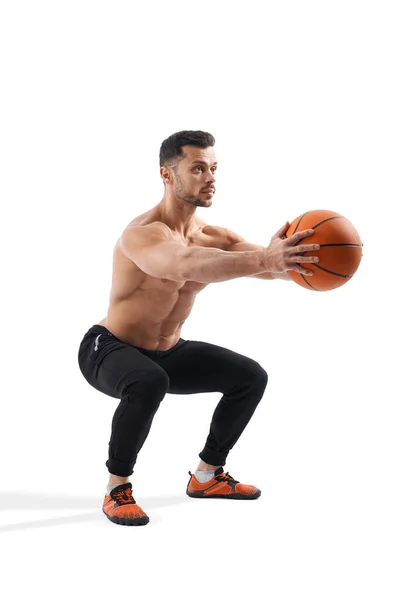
(141, 378)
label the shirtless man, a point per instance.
(162, 260)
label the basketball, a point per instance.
(340, 249)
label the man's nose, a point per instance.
(210, 177)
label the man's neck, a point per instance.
(178, 215)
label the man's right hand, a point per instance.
(283, 254)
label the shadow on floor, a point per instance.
(33, 501)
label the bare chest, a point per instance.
(128, 279)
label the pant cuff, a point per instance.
(212, 457)
(116, 467)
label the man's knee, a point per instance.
(153, 384)
(262, 376)
(255, 372)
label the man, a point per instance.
(163, 259)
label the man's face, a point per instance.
(194, 177)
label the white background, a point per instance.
(303, 99)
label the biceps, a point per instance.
(162, 260)
(243, 246)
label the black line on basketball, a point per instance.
(308, 283)
(331, 272)
(325, 220)
(315, 226)
(300, 220)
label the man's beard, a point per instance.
(182, 193)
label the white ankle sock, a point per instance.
(111, 487)
(204, 476)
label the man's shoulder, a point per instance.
(148, 220)
(221, 233)
(219, 237)
(151, 228)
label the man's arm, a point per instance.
(156, 252)
(239, 244)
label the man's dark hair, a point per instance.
(171, 148)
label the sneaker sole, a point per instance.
(233, 496)
(121, 521)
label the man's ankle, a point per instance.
(206, 467)
(118, 480)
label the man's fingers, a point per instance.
(296, 237)
(281, 232)
(302, 271)
(305, 248)
(305, 259)
(305, 272)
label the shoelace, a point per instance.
(122, 497)
(226, 477)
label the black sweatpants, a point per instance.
(141, 378)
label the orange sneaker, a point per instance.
(120, 507)
(222, 485)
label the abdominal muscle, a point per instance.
(144, 311)
(148, 312)
(144, 336)
(141, 323)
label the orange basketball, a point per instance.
(340, 249)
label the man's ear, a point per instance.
(166, 175)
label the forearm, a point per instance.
(246, 246)
(268, 276)
(210, 265)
